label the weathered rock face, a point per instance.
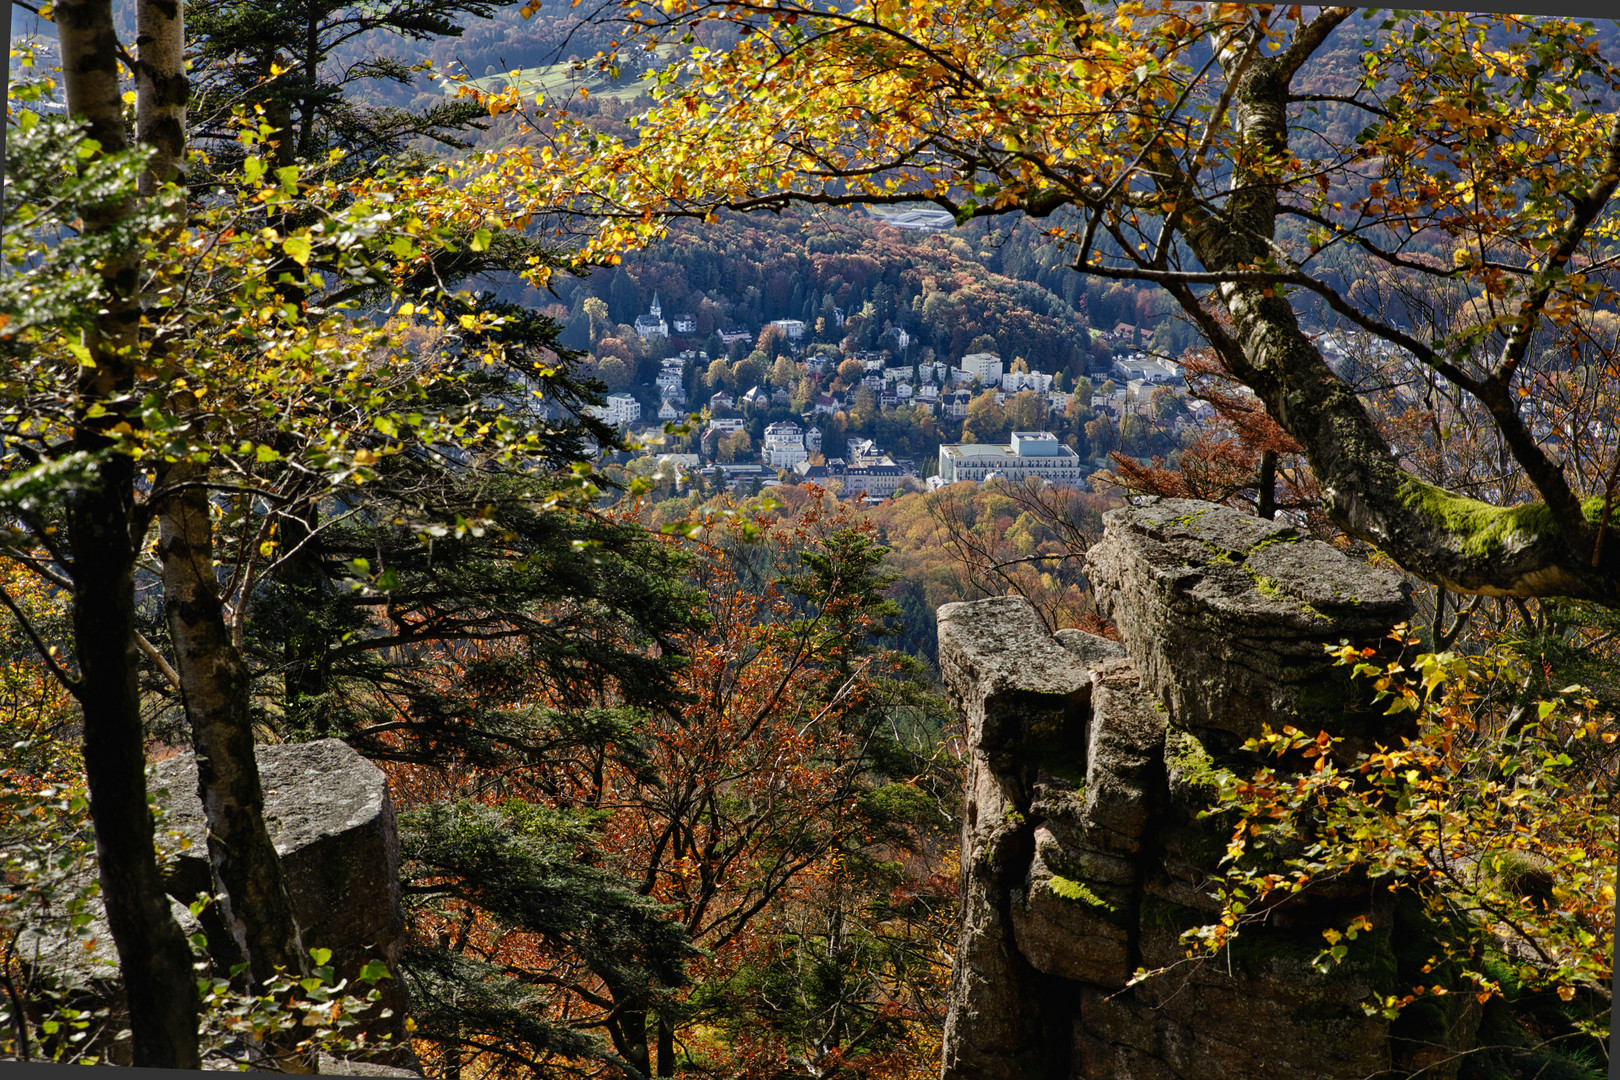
(332, 822)
(330, 817)
(1226, 616)
(1084, 854)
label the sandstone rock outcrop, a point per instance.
(331, 819)
(1085, 855)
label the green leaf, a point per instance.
(374, 970)
(297, 248)
(324, 956)
(480, 240)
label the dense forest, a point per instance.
(302, 439)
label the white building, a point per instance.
(1038, 381)
(621, 410)
(784, 445)
(927, 219)
(1031, 453)
(984, 366)
(727, 425)
(878, 480)
(671, 382)
(667, 410)
(684, 323)
(793, 329)
(652, 324)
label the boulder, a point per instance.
(332, 821)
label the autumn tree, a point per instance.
(1200, 174)
(160, 352)
(791, 749)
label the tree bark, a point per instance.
(1462, 544)
(214, 680)
(1267, 502)
(106, 532)
(305, 651)
(153, 954)
(161, 90)
(215, 684)
(666, 1045)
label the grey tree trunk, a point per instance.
(214, 681)
(106, 533)
(1365, 489)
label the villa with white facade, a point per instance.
(784, 445)
(621, 410)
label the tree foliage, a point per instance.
(1176, 145)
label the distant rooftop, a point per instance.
(919, 219)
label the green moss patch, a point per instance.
(1484, 530)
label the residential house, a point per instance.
(784, 445)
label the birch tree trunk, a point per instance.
(214, 683)
(214, 680)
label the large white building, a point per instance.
(792, 328)
(621, 410)
(784, 445)
(1031, 453)
(984, 366)
(1038, 381)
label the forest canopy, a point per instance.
(297, 444)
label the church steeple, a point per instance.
(657, 309)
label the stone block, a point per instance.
(1228, 616)
(332, 821)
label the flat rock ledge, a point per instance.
(1085, 848)
(1229, 617)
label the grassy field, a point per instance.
(562, 80)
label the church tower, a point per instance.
(657, 309)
